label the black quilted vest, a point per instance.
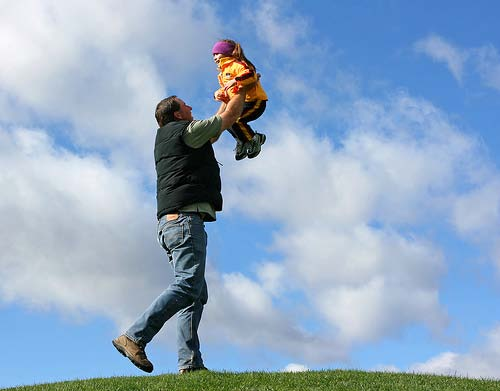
(185, 175)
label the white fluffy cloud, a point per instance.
(282, 33)
(295, 368)
(478, 211)
(481, 361)
(351, 214)
(243, 312)
(488, 65)
(442, 51)
(76, 232)
(79, 64)
(484, 60)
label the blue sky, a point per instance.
(366, 235)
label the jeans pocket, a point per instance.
(171, 234)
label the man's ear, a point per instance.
(177, 115)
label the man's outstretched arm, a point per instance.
(222, 108)
(231, 111)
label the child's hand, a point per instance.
(221, 96)
(229, 84)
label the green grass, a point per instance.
(338, 380)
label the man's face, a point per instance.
(184, 113)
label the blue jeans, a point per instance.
(185, 241)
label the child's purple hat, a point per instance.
(223, 47)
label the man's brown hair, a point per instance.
(165, 110)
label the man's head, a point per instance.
(172, 109)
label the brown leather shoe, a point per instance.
(133, 352)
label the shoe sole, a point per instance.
(252, 155)
(123, 352)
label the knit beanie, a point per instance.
(223, 47)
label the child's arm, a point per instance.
(244, 77)
(221, 94)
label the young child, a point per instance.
(236, 70)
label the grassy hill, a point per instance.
(337, 380)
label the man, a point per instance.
(188, 194)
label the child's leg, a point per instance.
(255, 144)
(241, 130)
(233, 133)
(252, 110)
(240, 152)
